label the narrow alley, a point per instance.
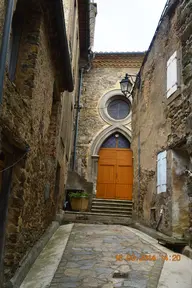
(96, 143)
(107, 256)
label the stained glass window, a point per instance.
(123, 142)
(118, 109)
(110, 142)
(116, 141)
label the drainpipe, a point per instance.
(5, 42)
(77, 106)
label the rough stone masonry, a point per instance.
(160, 123)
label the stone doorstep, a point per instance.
(112, 201)
(159, 236)
(95, 218)
(119, 208)
(110, 210)
(96, 214)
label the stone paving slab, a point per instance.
(100, 256)
(43, 270)
(95, 252)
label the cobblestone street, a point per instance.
(100, 256)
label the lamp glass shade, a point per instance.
(126, 85)
(129, 86)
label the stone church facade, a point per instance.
(100, 89)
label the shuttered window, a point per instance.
(172, 74)
(162, 172)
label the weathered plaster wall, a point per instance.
(180, 209)
(185, 24)
(93, 13)
(72, 29)
(158, 124)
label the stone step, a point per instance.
(95, 218)
(115, 205)
(112, 207)
(112, 203)
(111, 212)
(96, 214)
(112, 200)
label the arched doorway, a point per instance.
(115, 169)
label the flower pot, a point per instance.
(79, 204)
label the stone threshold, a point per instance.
(96, 213)
(112, 200)
(96, 218)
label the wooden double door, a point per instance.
(115, 174)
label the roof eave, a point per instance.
(66, 79)
(84, 27)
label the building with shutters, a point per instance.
(162, 126)
(48, 42)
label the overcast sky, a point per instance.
(126, 25)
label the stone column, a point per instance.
(94, 169)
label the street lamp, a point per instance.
(126, 86)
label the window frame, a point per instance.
(103, 104)
(161, 174)
(177, 91)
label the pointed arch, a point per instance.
(96, 145)
(104, 134)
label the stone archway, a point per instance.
(95, 147)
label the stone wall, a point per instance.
(159, 123)
(185, 110)
(104, 77)
(2, 15)
(30, 212)
(34, 115)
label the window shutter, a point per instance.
(162, 172)
(172, 77)
(158, 173)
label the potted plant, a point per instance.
(79, 201)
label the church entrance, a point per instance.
(115, 169)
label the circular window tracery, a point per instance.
(118, 109)
(115, 108)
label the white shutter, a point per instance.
(158, 173)
(172, 77)
(162, 172)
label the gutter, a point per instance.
(5, 43)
